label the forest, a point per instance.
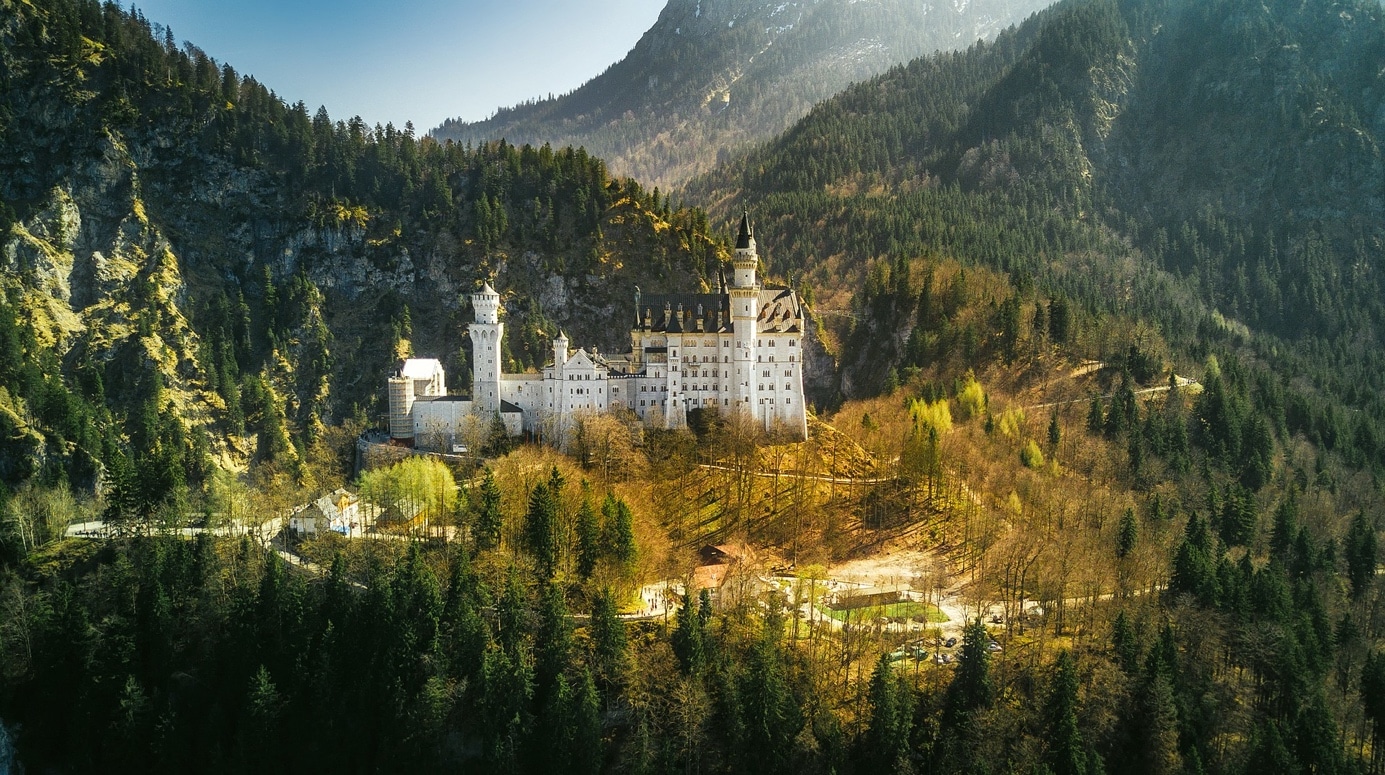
(1130, 441)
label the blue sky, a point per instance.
(419, 60)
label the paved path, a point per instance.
(1183, 382)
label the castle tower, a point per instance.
(401, 407)
(486, 335)
(745, 310)
(559, 354)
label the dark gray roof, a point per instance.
(781, 311)
(743, 239)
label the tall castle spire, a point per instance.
(746, 239)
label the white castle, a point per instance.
(737, 351)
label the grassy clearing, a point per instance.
(869, 613)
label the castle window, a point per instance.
(725, 402)
(727, 343)
(787, 402)
(790, 359)
(759, 343)
(725, 359)
(792, 343)
(771, 358)
(787, 387)
(771, 343)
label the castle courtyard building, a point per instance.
(738, 351)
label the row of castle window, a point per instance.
(787, 386)
(692, 344)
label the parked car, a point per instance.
(950, 642)
(993, 647)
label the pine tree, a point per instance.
(885, 747)
(687, 638)
(553, 642)
(618, 532)
(608, 641)
(1285, 528)
(970, 692)
(1361, 554)
(1373, 701)
(584, 728)
(1127, 534)
(1096, 416)
(540, 530)
(1125, 645)
(1268, 752)
(588, 540)
(1059, 320)
(488, 517)
(1066, 753)
(1155, 726)
(772, 717)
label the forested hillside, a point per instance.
(1104, 494)
(1210, 169)
(195, 267)
(712, 76)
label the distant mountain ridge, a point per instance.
(715, 75)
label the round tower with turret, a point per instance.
(745, 310)
(486, 335)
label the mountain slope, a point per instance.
(713, 75)
(1212, 168)
(183, 251)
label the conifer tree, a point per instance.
(540, 530)
(1127, 534)
(885, 747)
(588, 540)
(1372, 692)
(488, 517)
(687, 638)
(772, 717)
(618, 532)
(1125, 644)
(608, 641)
(1066, 752)
(970, 692)
(1361, 554)
(553, 642)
